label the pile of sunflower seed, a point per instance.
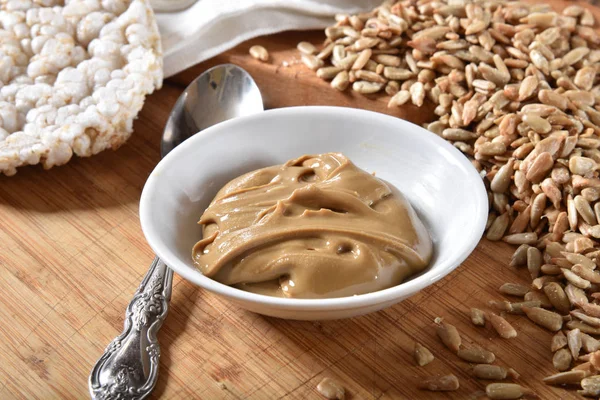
(517, 89)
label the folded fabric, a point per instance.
(210, 27)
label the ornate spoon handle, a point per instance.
(128, 369)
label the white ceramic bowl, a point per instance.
(437, 179)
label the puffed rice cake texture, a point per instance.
(73, 77)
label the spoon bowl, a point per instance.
(221, 93)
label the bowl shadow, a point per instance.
(343, 349)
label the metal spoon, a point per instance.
(128, 369)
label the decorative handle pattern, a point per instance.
(128, 369)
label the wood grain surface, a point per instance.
(72, 253)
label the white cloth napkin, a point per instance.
(210, 27)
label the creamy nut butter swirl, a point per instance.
(314, 227)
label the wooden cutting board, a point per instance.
(72, 254)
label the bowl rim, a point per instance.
(402, 290)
